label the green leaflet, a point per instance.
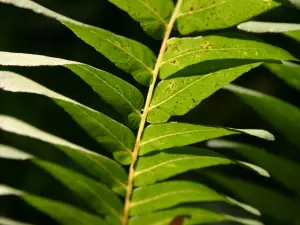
(158, 167)
(129, 55)
(268, 27)
(294, 34)
(100, 167)
(153, 15)
(289, 72)
(168, 135)
(97, 196)
(170, 162)
(184, 52)
(6, 221)
(112, 135)
(179, 95)
(124, 97)
(167, 194)
(61, 212)
(283, 116)
(281, 169)
(165, 217)
(266, 200)
(257, 169)
(202, 15)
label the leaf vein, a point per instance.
(107, 130)
(119, 93)
(178, 92)
(107, 171)
(113, 210)
(157, 15)
(124, 50)
(173, 134)
(134, 204)
(203, 50)
(137, 173)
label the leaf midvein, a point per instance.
(173, 134)
(203, 50)
(107, 130)
(119, 93)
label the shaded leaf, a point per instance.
(165, 217)
(266, 200)
(94, 194)
(153, 15)
(124, 97)
(61, 212)
(168, 135)
(183, 52)
(283, 116)
(244, 206)
(100, 167)
(179, 95)
(268, 27)
(218, 14)
(97, 196)
(167, 194)
(295, 3)
(280, 169)
(289, 72)
(112, 135)
(158, 167)
(129, 55)
(255, 168)
(294, 34)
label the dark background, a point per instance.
(24, 31)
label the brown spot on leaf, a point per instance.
(177, 220)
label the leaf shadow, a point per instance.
(212, 66)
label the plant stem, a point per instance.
(146, 109)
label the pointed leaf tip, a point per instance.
(258, 133)
(9, 152)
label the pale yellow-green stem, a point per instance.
(146, 109)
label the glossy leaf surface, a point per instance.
(167, 194)
(153, 168)
(184, 52)
(177, 96)
(202, 15)
(168, 135)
